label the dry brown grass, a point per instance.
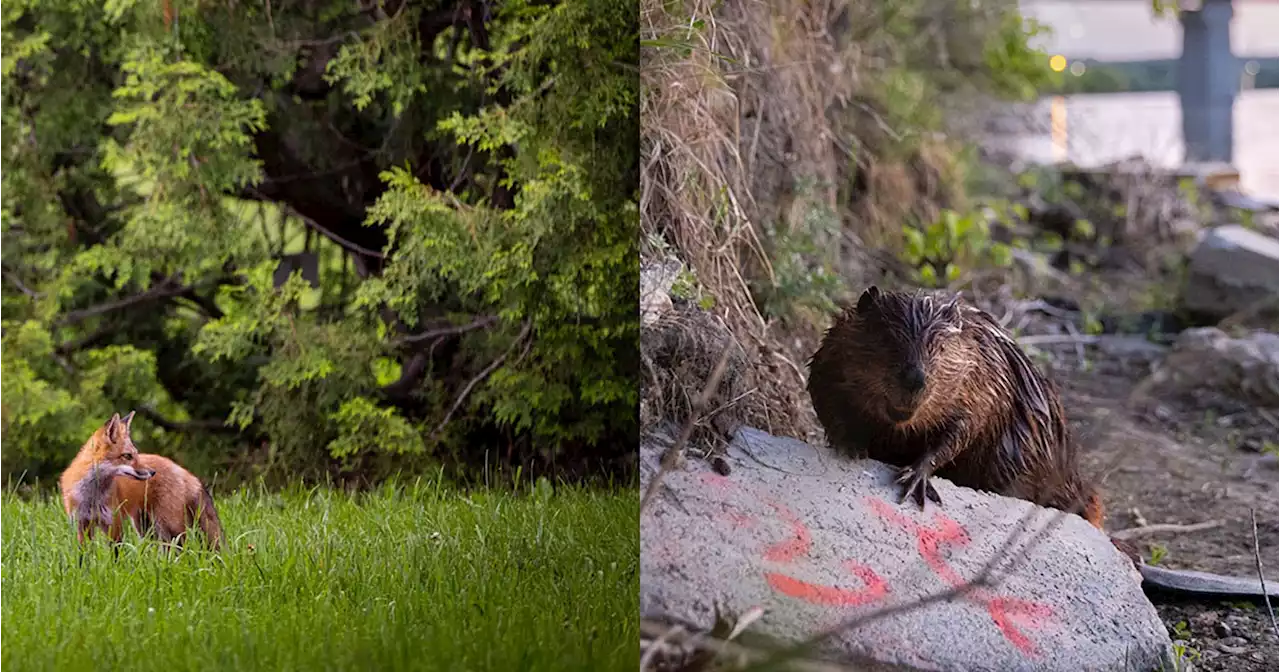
(696, 193)
(741, 104)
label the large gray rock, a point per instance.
(814, 539)
(1233, 270)
(1247, 368)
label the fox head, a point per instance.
(113, 449)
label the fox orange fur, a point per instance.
(110, 481)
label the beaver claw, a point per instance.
(917, 485)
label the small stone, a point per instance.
(721, 465)
(1233, 650)
(1233, 641)
(1221, 629)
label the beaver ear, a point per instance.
(953, 316)
(868, 299)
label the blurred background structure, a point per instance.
(1194, 88)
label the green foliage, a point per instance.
(465, 186)
(938, 49)
(935, 53)
(803, 256)
(1018, 70)
(1158, 553)
(956, 244)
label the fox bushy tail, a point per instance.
(207, 518)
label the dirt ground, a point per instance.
(1183, 461)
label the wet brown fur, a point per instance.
(166, 502)
(985, 417)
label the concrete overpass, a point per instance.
(1208, 77)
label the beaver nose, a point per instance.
(913, 379)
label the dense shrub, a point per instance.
(449, 189)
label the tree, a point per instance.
(322, 237)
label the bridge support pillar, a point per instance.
(1208, 79)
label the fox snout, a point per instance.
(140, 474)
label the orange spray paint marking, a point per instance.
(874, 588)
(789, 549)
(1002, 609)
(716, 481)
(799, 544)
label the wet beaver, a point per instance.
(933, 385)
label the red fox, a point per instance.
(109, 480)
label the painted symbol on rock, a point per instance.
(1002, 609)
(1009, 614)
(799, 544)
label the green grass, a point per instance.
(418, 577)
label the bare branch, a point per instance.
(699, 406)
(343, 242)
(478, 323)
(1262, 579)
(1144, 530)
(481, 376)
(155, 417)
(164, 290)
(17, 282)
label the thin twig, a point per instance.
(1058, 339)
(1262, 580)
(293, 212)
(656, 645)
(1162, 528)
(699, 405)
(481, 376)
(706, 644)
(478, 323)
(164, 290)
(13, 278)
(1080, 355)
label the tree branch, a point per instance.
(216, 426)
(481, 376)
(81, 343)
(16, 282)
(413, 370)
(478, 323)
(164, 290)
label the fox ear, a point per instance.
(113, 427)
(128, 420)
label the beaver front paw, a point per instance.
(916, 480)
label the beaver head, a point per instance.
(909, 350)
